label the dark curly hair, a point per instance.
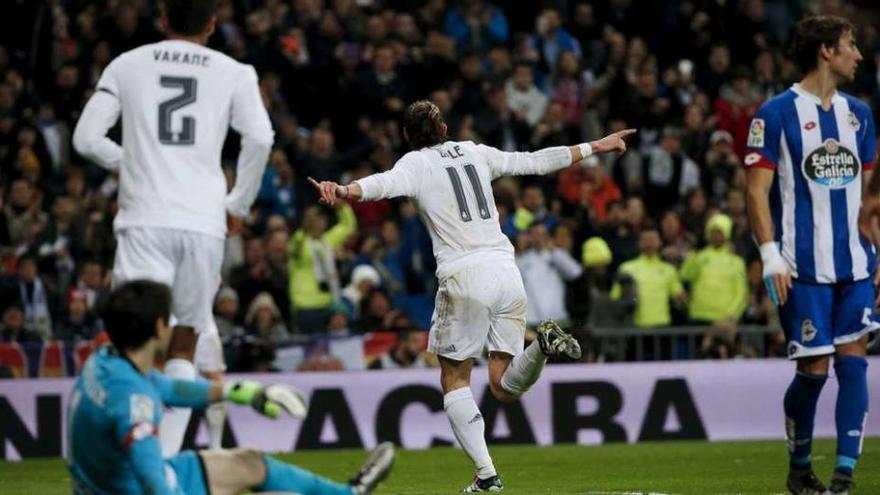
(189, 17)
(811, 33)
(423, 124)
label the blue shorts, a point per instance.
(186, 468)
(817, 317)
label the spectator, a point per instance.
(35, 297)
(550, 41)
(79, 323)
(314, 280)
(498, 125)
(677, 242)
(263, 320)
(533, 209)
(57, 244)
(589, 188)
(13, 329)
(668, 173)
(526, 101)
(618, 233)
(545, 269)
(382, 90)
(737, 101)
(717, 277)
(226, 314)
(721, 166)
(364, 278)
(22, 213)
(656, 283)
(257, 275)
(408, 352)
(377, 313)
(94, 282)
(476, 25)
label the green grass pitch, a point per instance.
(679, 467)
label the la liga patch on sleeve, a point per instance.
(141, 409)
(756, 133)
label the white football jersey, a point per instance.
(452, 186)
(177, 100)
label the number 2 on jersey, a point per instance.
(474, 179)
(187, 134)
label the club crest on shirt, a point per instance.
(751, 159)
(808, 331)
(756, 133)
(853, 121)
(141, 408)
(831, 165)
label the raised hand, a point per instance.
(328, 190)
(612, 142)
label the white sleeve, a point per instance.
(567, 266)
(538, 162)
(402, 180)
(249, 118)
(99, 115)
(690, 176)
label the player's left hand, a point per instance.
(268, 400)
(612, 142)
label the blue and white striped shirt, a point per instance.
(819, 157)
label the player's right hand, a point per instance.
(777, 277)
(612, 142)
(268, 400)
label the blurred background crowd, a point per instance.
(655, 238)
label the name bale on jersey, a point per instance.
(832, 165)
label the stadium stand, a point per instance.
(335, 77)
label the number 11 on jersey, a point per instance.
(474, 179)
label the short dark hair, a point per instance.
(423, 124)
(131, 312)
(811, 33)
(189, 17)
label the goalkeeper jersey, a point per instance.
(113, 418)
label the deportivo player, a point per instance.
(481, 301)
(177, 99)
(117, 402)
(811, 152)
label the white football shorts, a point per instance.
(188, 262)
(480, 306)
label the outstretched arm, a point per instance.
(549, 160)
(399, 181)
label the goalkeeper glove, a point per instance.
(268, 400)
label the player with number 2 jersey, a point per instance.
(177, 99)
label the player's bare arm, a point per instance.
(776, 273)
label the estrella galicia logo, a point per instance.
(832, 165)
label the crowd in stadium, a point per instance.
(654, 238)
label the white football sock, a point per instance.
(469, 428)
(215, 415)
(524, 370)
(175, 420)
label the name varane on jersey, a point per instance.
(819, 156)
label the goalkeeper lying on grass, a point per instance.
(118, 400)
